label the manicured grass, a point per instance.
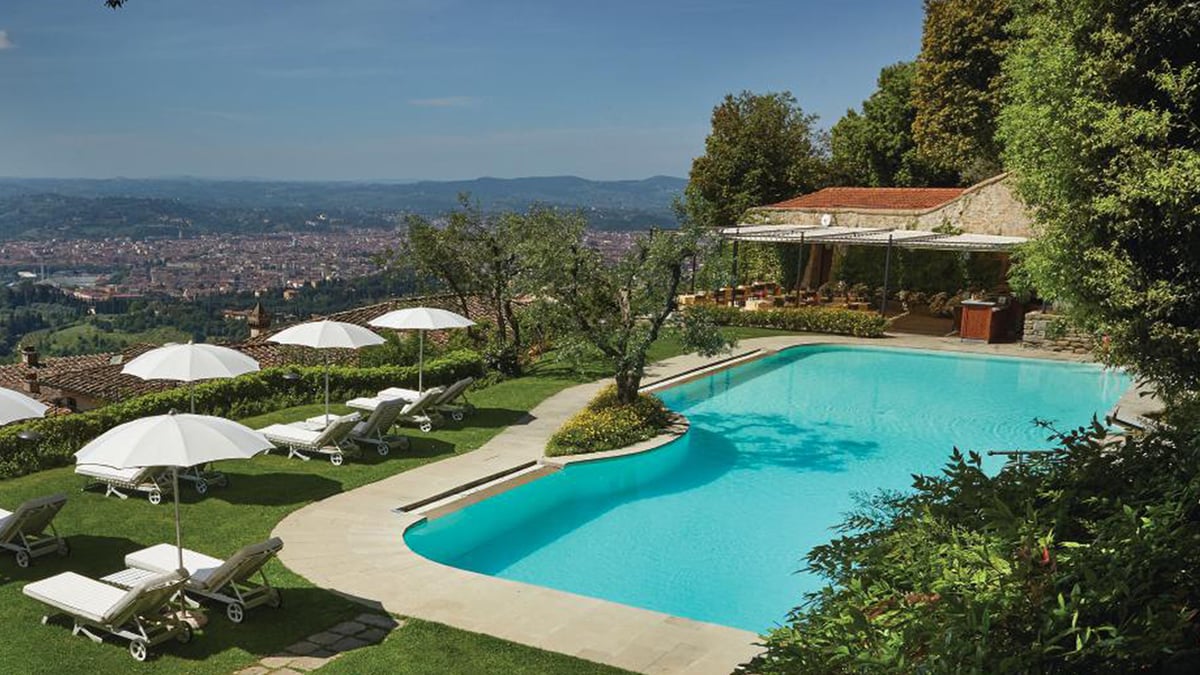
(421, 647)
(263, 490)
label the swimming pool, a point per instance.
(715, 525)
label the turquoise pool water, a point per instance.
(715, 525)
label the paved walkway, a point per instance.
(352, 543)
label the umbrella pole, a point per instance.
(326, 358)
(192, 389)
(178, 531)
(421, 362)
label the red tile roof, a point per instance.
(884, 199)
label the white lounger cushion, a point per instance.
(109, 474)
(400, 393)
(165, 558)
(3, 517)
(291, 433)
(77, 595)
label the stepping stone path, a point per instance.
(317, 650)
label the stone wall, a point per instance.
(1050, 332)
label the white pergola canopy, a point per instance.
(872, 236)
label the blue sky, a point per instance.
(414, 89)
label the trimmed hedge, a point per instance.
(252, 394)
(606, 425)
(803, 319)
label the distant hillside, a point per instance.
(89, 207)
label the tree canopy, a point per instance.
(1102, 135)
(959, 86)
(762, 148)
(876, 148)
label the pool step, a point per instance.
(464, 495)
(706, 369)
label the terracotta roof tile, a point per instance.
(897, 199)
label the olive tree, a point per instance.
(617, 308)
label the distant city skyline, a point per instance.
(402, 90)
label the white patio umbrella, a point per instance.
(421, 319)
(327, 334)
(17, 406)
(190, 363)
(174, 440)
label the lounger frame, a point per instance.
(31, 540)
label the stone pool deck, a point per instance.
(352, 543)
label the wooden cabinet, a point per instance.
(982, 321)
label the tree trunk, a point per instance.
(629, 380)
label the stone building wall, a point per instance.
(990, 207)
(1047, 331)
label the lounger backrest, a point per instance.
(145, 599)
(244, 564)
(32, 517)
(338, 429)
(418, 406)
(455, 390)
(382, 418)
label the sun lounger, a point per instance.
(416, 412)
(302, 437)
(24, 531)
(229, 582)
(373, 430)
(137, 614)
(155, 481)
(445, 403)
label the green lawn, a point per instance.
(261, 492)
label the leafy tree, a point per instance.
(762, 149)
(1102, 134)
(480, 256)
(958, 88)
(617, 308)
(876, 147)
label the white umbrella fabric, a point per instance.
(421, 319)
(190, 363)
(175, 440)
(327, 334)
(17, 406)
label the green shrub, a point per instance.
(807, 319)
(606, 425)
(252, 394)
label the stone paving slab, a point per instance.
(353, 543)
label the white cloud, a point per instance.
(443, 102)
(5, 41)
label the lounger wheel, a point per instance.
(139, 650)
(383, 449)
(23, 559)
(336, 459)
(155, 497)
(201, 486)
(275, 599)
(457, 415)
(426, 427)
(235, 612)
(185, 633)
(223, 481)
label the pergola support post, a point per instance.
(887, 272)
